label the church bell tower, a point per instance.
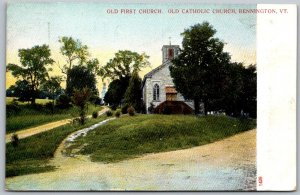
(169, 52)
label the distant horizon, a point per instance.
(30, 24)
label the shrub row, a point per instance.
(130, 110)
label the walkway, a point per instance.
(46, 127)
(229, 164)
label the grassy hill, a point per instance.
(123, 138)
(129, 137)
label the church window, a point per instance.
(156, 92)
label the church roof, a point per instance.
(152, 72)
(170, 89)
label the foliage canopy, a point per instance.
(34, 67)
(124, 64)
(203, 72)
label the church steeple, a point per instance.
(169, 52)
(104, 90)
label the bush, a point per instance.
(109, 113)
(124, 109)
(151, 108)
(50, 106)
(95, 100)
(76, 121)
(63, 101)
(143, 108)
(15, 140)
(36, 106)
(113, 107)
(80, 100)
(95, 114)
(131, 111)
(12, 109)
(118, 113)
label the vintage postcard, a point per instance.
(150, 97)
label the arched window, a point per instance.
(156, 92)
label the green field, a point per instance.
(33, 153)
(129, 137)
(9, 100)
(25, 116)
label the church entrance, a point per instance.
(171, 93)
(172, 105)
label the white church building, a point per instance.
(159, 90)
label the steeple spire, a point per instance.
(170, 40)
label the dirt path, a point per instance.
(228, 164)
(42, 128)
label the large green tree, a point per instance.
(74, 51)
(199, 70)
(77, 54)
(93, 65)
(249, 91)
(124, 64)
(133, 94)
(52, 86)
(120, 69)
(239, 92)
(116, 91)
(80, 77)
(20, 89)
(34, 67)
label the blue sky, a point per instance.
(105, 34)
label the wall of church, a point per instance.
(163, 79)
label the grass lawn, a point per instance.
(33, 153)
(9, 100)
(129, 137)
(14, 124)
(25, 116)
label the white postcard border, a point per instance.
(276, 93)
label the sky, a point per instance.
(30, 24)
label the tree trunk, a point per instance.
(196, 104)
(32, 100)
(34, 94)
